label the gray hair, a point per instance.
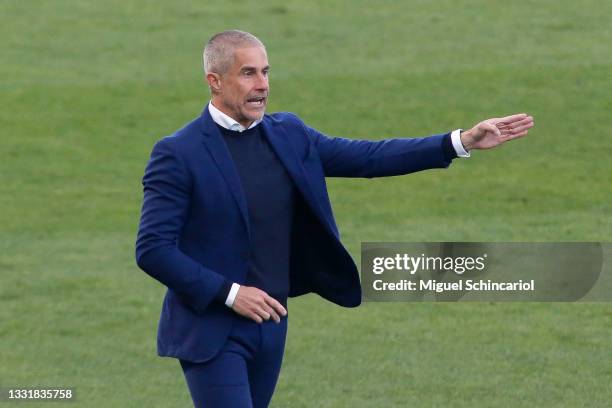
(218, 55)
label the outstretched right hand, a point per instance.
(257, 305)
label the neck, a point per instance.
(223, 109)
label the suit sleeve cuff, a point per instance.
(457, 145)
(223, 291)
(447, 148)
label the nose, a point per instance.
(262, 82)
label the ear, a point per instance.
(214, 81)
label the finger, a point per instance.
(520, 129)
(276, 305)
(504, 125)
(515, 136)
(262, 313)
(517, 129)
(255, 316)
(528, 120)
(508, 134)
(273, 315)
(513, 118)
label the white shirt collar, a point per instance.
(226, 121)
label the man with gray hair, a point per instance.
(236, 218)
(218, 55)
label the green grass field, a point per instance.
(88, 87)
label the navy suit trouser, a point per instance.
(244, 373)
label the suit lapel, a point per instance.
(213, 140)
(278, 138)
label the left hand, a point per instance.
(493, 132)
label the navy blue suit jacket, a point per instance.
(194, 227)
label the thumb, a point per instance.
(491, 128)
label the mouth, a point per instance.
(257, 102)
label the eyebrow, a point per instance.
(250, 68)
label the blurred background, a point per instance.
(88, 87)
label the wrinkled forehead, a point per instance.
(254, 57)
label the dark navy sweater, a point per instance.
(270, 195)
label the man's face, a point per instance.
(244, 87)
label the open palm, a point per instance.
(495, 131)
